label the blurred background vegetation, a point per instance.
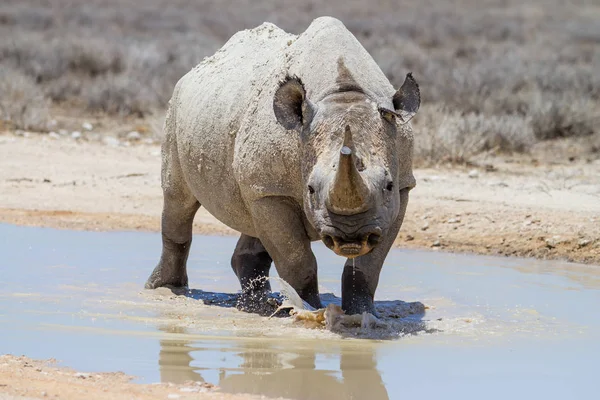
(496, 76)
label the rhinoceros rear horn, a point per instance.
(290, 105)
(407, 99)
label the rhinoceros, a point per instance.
(289, 139)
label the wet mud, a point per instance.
(454, 324)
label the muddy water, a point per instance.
(493, 327)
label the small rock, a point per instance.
(86, 126)
(133, 135)
(155, 153)
(454, 220)
(409, 238)
(473, 173)
(63, 132)
(110, 141)
(51, 124)
(148, 141)
(527, 223)
(436, 244)
(583, 242)
(43, 394)
(553, 241)
(82, 375)
(23, 133)
(500, 184)
(53, 135)
(76, 135)
(425, 226)
(173, 396)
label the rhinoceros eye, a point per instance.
(311, 190)
(390, 186)
(388, 115)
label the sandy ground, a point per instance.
(24, 378)
(504, 206)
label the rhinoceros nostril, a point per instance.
(328, 240)
(374, 239)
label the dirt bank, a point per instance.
(24, 378)
(504, 206)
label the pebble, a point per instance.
(63, 132)
(454, 220)
(133, 135)
(436, 244)
(110, 141)
(409, 238)
(425, 226)
(82, 375)
(583, 242)
(20, 132)
(87, 126)
(473, 173)
(76, 135)
(52, 124)
(53, 135)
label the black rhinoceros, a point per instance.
(289, 139)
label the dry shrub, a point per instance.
(22, 105)
(564, 116)
(446, 136)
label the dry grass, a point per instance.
(496, 75)
(22, 105)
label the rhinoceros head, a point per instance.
(356, 157)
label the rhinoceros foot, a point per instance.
(163, 276)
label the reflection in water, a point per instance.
(273, 369)
(174, 359)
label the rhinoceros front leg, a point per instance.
(361, 275)
(280, 227)
(251, 263)
(179, 208)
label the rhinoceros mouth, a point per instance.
(349, 249)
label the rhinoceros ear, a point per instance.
(292, 108)
(407, 99)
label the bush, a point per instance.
(22, 105)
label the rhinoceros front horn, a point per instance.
(349, 194)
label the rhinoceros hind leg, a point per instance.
(177, 220)
(251, 263)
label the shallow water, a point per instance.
(495, 327)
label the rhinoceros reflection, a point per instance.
(276, 369)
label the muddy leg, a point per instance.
(251, 263)
(177, 220)
(361, 276)
(179, 209)
(281, 230)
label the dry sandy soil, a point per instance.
(503, 206)
(23, 378)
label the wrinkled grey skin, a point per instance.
(289, 139)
